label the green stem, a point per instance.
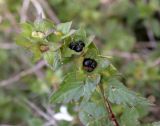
(112, 117)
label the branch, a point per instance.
(6, 125)
(49, 11)
(7, 46)
(41, 113)
(38, 110)
(125, 55)
(38, 7)
(112, 117)
(23, 13)
(150, 35)
(133, 56)
(11, 18)
(22, 74)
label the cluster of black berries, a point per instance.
(89, 64)
(77, 46)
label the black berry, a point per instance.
(89, 64)
(77, 46)
(81, 43)
(72, 45)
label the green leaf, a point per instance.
(145, 10)
(129, 116)
(155, 27)
(29, 45)
(80, 34)
(71, 32)
(36, 52)
(89, 40)
(91, 83)
(103, 63)
(74, 86)
(92, 51)
(24, 42)
(70, 89)
(93, 114)
(110, 71)
(117, 93)
(64, 27)
(43, 25)
(53, 59)
(26, 29)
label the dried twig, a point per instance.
(125, 55)
(38, 7)
(23, 12)
(150, 35)
(49, 11)
(11, 18)
(7, 46)
(41, 113)
(37, 110)
(7, 125)
(23, 74)
(133, 56)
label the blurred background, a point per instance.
(128, 30)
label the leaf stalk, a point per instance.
(112, 116)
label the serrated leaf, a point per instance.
(64, 27)
(36, 52)
(43, 25)
(93, 114)
(91, 83)
(117, 93)
(129, 116)
(80, 34)
(155, 27)
(92, 51)
(26, 29)
(90, 40)
(110, 71)
(103, 63)
(53, 59)
(70, 89)
(33, 47)
(71, 32)
(22, 41)
(74, 86)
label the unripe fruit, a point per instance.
(77, 46)
(37, 34)
(43, 48)
(89, 64)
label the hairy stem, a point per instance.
(112, 117)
